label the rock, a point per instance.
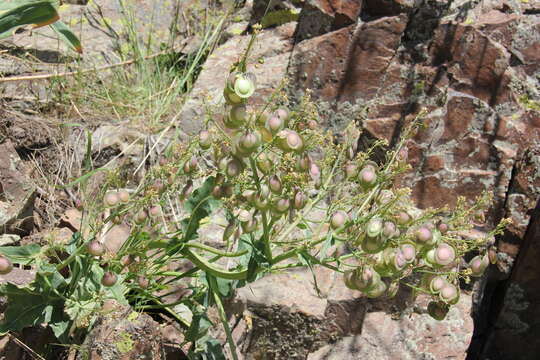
(410, 337)
(123, 335)
(72, 218)
(9, 239)
(116, 237)
(19, 277)
(17, 193)
(319, 17)
(262, 8)
(273, 46)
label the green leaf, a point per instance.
(199, 326)
(67, 36)
(38, 13)
(24, 255)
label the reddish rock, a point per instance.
(319, 17)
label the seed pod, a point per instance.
(443, 228)
(392, 290)
(351, 171)
(227, 190)
(234, 168)
(372, 245)
(423, 235)
(289, 140)
(385, 197)
(314, 171)
(348, 279)
(403, 218)
(231, 98)
(449, 294)
(408, 251)
(437, 283)
(141, 216)
(244, 85)
(229, 231)
(95, 248)
(389, 229)
(338, 220)
(437, 310)
(249, 142)
(244, 215)
(205, 139)
(154, 211)
(249, 195)
(478, 265)
(274, 183)
(376, 291)
(393, 261)
(123, 196)
(111, 198)
(275, 124)
(367, 177)
(5, 265)
(143, 282)
(190, 166)
(492, 255)
(187, 190)
(281, 205)
(263, 163)
(238, 115)
(312, 124)
(249, 226)
(283, 114)
(299, 200)
(444, 254)
(374, 227)
(109, 279)
(303, 162)
(260, 202)
(365, 278)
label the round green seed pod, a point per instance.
(348, 279)
(274, 183)
(95, 248)
(376, 291)
(372, 245)
(205, 139)
(290, 141)
(437, 283)
(338, 220)
(229, 231)
(478, 265)
(449, 294)
(444, 254)
(244, 86)
(374, 227)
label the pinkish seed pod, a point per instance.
(403, 218)
(338, 220)
(111, 198)
(449, 294)
(437, 283)
(249, 195)
(95, 248)
(365, 278)
(492, 255)
(443, 228)
(299, 200)
(389, 229)
(282, 113)
(205, 139)
(351, 171)
(409, 252)
(109, 279)
(143, 282)
(444, 254)
(263, 163)
(312, 124)
(154, 211)
(281, 205)
(275, 124)
(478, 265)
(275, 184)
(244, 216)
(217, 192)
(227, 190)
(303, 162)
(249, 142)
(5, 265)
(249, 226)
(423, 235)
(234, 168)
(123, 195)
(367, 177)
(289, 140)
(141, 216)
(314, 172)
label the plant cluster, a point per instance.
(292, 194)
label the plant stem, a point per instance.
(223, 318)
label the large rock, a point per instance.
(17, 193)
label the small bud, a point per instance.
(205, 139)
(377, 290)
(123, 195)
(109, 279)
(281, 205)
(249, 142)
(111, 198)
(275, 184)
(351, 171)
(338, 220)
(367, 177)
(95, 248)
(443, 228)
